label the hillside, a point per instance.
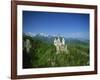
(43, 53)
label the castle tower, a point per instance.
(63, 41)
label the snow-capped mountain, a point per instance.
(30, 34)
(42, 34)
(38, 34)
(50, 38)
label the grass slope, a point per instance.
(43, 54)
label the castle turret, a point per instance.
(63, 41)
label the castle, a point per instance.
(60, 45)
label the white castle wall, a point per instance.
(60, 45)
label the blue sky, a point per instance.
(70, 25)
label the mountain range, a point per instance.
(50, 38)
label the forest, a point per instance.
(42, 53)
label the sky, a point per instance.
(69, 25)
